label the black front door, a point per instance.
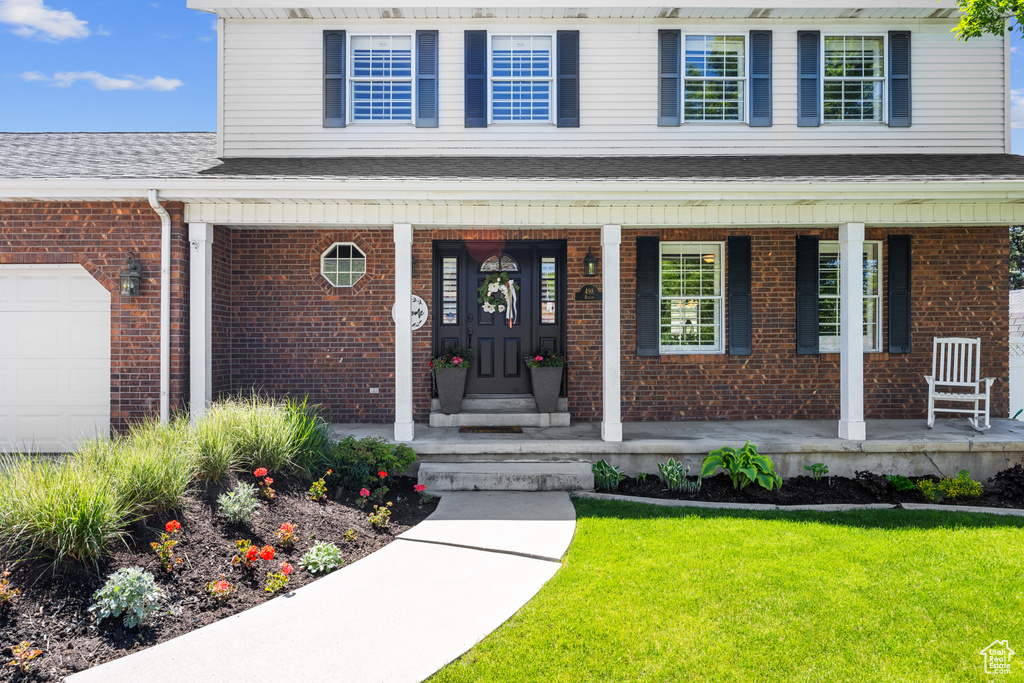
(534, 315)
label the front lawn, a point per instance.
(681, 594)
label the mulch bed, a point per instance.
(52, 610)
(869, 488)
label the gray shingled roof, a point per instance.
(192, 155)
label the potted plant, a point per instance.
(450, 378)
(546, 378)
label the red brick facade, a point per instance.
(279, 327)
(99, 235)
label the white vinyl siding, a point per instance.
(273, 95)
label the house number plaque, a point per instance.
(588, 293)
(419, 312)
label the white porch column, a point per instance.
(404, 427)
(851, 332)
(611, 342)
(200, 350)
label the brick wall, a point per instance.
(959, 288)
(289, 332)
(99, 235)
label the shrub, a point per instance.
(1009, 483)
(900, 483)
(129, 591)
(61, 511)
(606, 477)
(216, 440)
(240, 504)
(322, 557)
(961, 486)
(356, 462)
(744, 466)
(929, 490)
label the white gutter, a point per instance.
(165, 306)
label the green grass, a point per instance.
(669, 594)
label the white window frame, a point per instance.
(324, 259)
(830, 344)
(352, 79)
(745, 80)
(701, 248)
(550, 79)
(883, 79)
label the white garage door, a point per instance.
(54, 357)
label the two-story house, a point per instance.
(776, 208)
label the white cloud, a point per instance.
(1017, 108)
(33, 19)
(63, 79)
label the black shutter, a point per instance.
(808, 90)
(426, 79)
(568, 79)
(899, 294)
(648, 297)
(476, 79)
(740, 335)
(669, 68)
(760, 78)
(334, 79)
(807, 295)
(899, 79)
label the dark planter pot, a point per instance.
(451, 387)
(546, 383)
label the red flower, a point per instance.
(172, 526)
(268, 481)
(364, 492)
(419, 488)
(329, 472)
(267, 553)
(288, 528)
(251, 553)
(221, 586)
(286, 568)
(382, 474)
(261, 472)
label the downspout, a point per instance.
(165, 306)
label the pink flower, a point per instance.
(539, 359)
(419, 488)
(286, 568)
(261, 472)
(456, 360)
(364, 492)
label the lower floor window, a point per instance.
(343, 264)
(829, 296)
(691, 297)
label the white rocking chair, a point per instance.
(956, 364)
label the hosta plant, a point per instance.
(322, 557)
(606, 476)
(744, 466)
(130, 592)
(674, 476)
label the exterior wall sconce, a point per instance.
(131, 277)
(589, 264)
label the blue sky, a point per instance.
(129, 65)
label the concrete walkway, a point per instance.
(398, 615)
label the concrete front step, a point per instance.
(501, 411)
(506, 476)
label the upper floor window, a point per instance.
(381, 79)
(829, 297)
(854, 78)
(521, 78)
(714, 78)
(691, 297)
